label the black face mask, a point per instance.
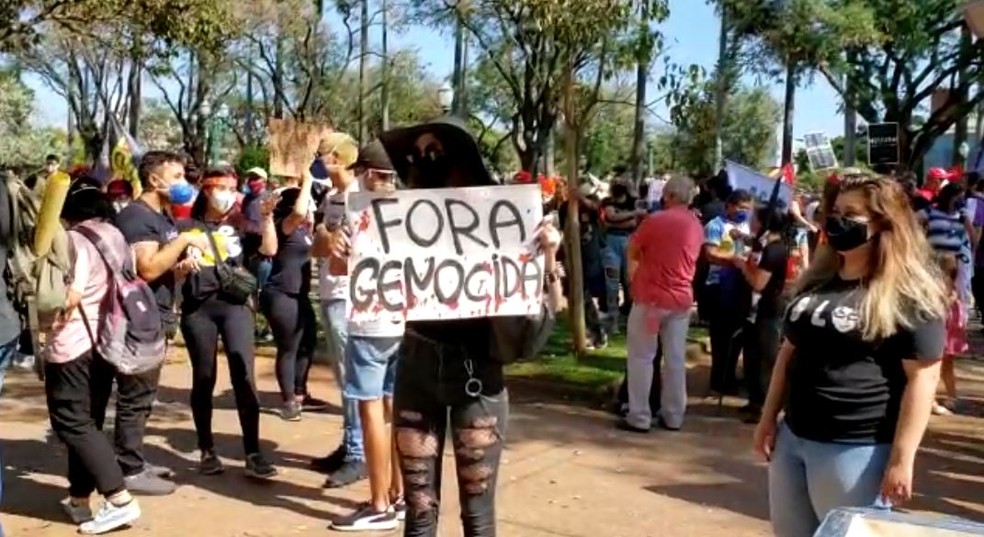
(845, 234)
(433, 171)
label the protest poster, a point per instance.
(758, 185)
(292, 146)
(883, 143)
(445, 253)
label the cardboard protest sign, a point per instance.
(445, 253)
(758, 185)
(292, 145)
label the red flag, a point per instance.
(788, 174)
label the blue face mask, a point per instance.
(740, 217)
(180, 193)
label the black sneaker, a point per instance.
(367, 518)
(350, 472)
(331, 463)
(291, 411)
(258, 468)
(210, 464)
(311, 404)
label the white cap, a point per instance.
(258, 172)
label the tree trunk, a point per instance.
(789, 109)
(363, 79)
(572, 233)
(960, 129)
(550, 154)
(134, 86)
(384, 96)
(850, 125)
(721, 91)
(458, 74)
(249, 108)
(642, 78)
(278, 76)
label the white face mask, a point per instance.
(120, 205)
(222, 201)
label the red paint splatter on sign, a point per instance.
(525, 257)
(363, 221)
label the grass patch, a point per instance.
(593, 372)
(557, 363)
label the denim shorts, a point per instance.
(370, 367)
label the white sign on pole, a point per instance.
(758, 185)
(445, 253)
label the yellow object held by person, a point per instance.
(49, 214)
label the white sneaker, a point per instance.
(367, 519)
(111, 517)
(78, 513)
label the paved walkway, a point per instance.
(566, 472)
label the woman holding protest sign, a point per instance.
(457, 365)
(215, 295)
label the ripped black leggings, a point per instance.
(428, 386)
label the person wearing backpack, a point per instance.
(158, 248)
(214, 304)
(9, 320)
(74, 369)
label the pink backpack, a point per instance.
(131, 331)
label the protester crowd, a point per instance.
(842, 310)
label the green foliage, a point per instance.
(748, 129)
(253, 156)
(894, 80)
(21, 143)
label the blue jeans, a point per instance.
(808, 479)
(370, 367)
(336, 323)
(614, 258)
(7, 354)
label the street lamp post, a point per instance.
(217, 133)
(445, 97)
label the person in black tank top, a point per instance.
(285, 300)
(451, 372)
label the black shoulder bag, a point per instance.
(235, 283)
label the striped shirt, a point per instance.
(945, 231)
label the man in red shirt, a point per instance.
(663, 255)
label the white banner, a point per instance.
(445, 253)
(758, 185)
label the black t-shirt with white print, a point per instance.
(204, 283)
(842, 388)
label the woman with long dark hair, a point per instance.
(285, 300)
(767, 278)
(215, 298)
(75, 373)
(451, 372)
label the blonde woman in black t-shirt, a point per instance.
(857, 371)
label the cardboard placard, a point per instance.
(445, 253)
(292, 146)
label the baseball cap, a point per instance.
(373, 156)
(341, 145)
(257, 172)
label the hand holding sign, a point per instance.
(548, 237)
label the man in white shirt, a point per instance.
(346, 465)
(370, 374)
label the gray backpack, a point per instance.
(131, 330)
